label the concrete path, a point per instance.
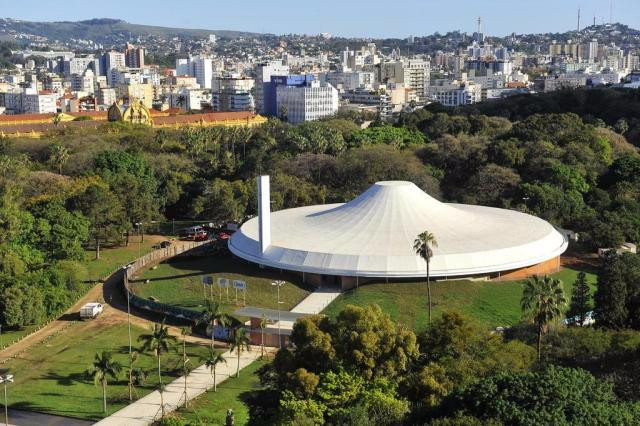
(147, 409)
(316, 301)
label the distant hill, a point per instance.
(105, 30)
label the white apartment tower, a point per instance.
(310, 102)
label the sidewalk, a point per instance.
(316, 301)
(147, 409)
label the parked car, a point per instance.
(162, 244)
(91, 310)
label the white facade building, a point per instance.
(83, 82)
(306, 103)
(29, 101)
(456, 93)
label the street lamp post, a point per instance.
(125, 270)
(278, 284)
(7, 378)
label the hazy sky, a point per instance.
(374, 18)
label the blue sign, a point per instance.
(206, 280)
(223, 283)
(240, 285)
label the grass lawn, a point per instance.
(112, 258)
(211, 408)
(9, 336)
(490, 303)
(177, 281)
(50, 376)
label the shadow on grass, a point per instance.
(69, 379)
(225, 263)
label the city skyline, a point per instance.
(350, 19)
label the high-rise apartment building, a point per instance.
(414, 73)
(199, 67)
(111, 60)
(134, 56)
(264, 72)
(300, 98)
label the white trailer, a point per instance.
(91, 310)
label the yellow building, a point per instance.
(136, 112)
(143, 92)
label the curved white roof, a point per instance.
(373, 235)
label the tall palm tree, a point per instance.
(263, 325)
(158, 341)
(543, 299)
(240, 343)
(214, 315)
(102, 368)
(214, 358)
(423, 246)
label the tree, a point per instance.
(213, 316)
(423, 248)
(105, 212)
(57, 118)
(543, 299)
(240, 343)
(369, 342)
(186, 369)
(21, 305)
(58, 156)
(104, 367)
(617, 298)
(263, 325)
(214, 358)
(133, 181)
(580, 300)
(554, 395)
(136, 374)
(158, 341)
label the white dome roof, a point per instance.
(373, 235)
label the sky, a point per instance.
(349, 18)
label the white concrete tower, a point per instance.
(264, 213)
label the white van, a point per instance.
(91, 310)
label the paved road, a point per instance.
(147, 409)
(30, 418)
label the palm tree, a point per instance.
(132, 359)
(543, 299)
(57, 118)
(58, 156)
(423, 248)
(212, 361)
(158, 341)
(263, 325)
(213, 315)
(137, 375)
(102, 368)
(239, 343)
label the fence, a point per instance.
(150, 259)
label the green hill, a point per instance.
(104, 30)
